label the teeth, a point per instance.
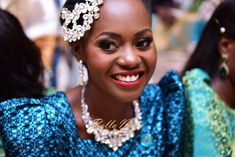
(129, 78)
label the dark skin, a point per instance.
(225, 88)
(128, 51)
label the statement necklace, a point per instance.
(113, 138)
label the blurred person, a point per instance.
(209, 82)
(21, 68)
(120, 61)
(40, 20)
(184, 5)
(174, 28)
(40, 23)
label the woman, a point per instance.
(114, 113)
(21, 67)
(209, 81)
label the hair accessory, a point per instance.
(222, 29)
(88, 11)
(223, 70)
(113, 138)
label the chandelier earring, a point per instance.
(82, 73)
(223, 70)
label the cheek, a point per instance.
(151, 59)
(231, 62)
(98, 63)
(231, 65)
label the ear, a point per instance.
(225, 45)
(76, 49)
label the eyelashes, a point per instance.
(108, 45)
(143, 43)
(111, 45)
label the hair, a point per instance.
(206, 55)
(162, 2)
(20, 62)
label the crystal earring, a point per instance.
(81, 73)
(223, 70)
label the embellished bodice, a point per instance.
(47, 127)
(209, 123)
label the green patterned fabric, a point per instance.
(209, 123)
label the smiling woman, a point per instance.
(114, 42)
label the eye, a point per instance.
(143, 43)
(108, 45)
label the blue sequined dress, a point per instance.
(47, 127)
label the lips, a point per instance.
(128, 79)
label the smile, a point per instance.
(128, 80)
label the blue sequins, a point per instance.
(146, 140)
(46, 127)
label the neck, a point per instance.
(103, 106)
(226, 90)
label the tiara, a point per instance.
(88, 11)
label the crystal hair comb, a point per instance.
(88, 11)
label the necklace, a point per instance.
(113, 138)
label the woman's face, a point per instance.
(119, 50)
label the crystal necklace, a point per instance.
(113, 138)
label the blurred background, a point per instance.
(176, 24)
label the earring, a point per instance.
(223, 70)
(81, 73)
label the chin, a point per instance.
(129, 97)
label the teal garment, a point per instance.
(46, 92)
(209, 123)
(46, 127)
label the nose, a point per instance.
(129, 58)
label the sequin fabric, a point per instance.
(209, 123)
(47, 127)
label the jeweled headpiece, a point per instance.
(88, 11)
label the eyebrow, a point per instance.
(119, 36)
(143, 31)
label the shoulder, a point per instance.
(22, 108)
(195, 75)
(55, 104)
(168, 96)
(197, 82)
(169, 87)
(167, 100)
(15, 103)
(27, 121)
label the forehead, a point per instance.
(122, 14)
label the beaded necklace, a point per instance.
(113, 138)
